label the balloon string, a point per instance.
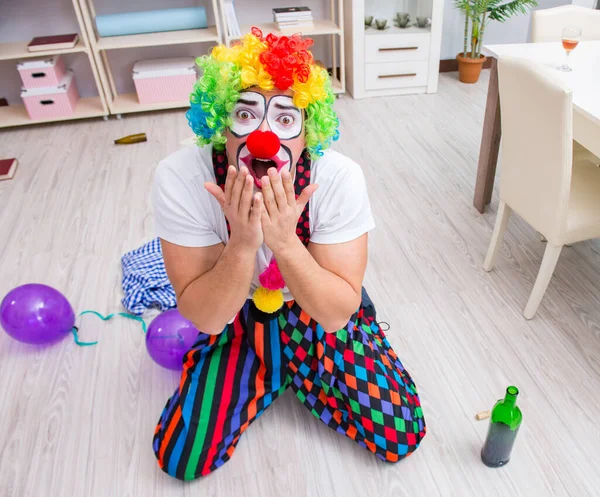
(122, 314)
(75, 330)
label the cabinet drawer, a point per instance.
(396, 75)
(397, 47)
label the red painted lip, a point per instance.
(248, 162)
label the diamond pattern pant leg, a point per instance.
(353, 381)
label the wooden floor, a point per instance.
(79, 421)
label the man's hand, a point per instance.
(241, 209)
(281, 209)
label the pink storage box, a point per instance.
(41, 73)
(164, 80)
(52, 102)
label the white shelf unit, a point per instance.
(392, 61)
(322, 27)
(16, 114)
(124, 103)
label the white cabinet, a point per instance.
(394, 60)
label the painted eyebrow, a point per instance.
(286, 107)
(247, 102)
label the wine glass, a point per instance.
(570, 39)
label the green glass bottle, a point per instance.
(502, 433)
(127, 140)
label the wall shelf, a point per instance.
(321, 27)
(96, 106)
(159, 39)
(397, 31)
(16, 115)
(124, 103)
(18, 50)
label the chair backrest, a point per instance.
(547, 24)
(537, 144)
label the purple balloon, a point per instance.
(36, 314)
(169, 337)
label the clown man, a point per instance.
(264, 236)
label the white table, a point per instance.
(584, 81)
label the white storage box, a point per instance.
(52, 102)
(42, 73)
(164, 80)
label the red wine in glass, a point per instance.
(570, 39)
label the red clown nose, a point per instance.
(263, 144)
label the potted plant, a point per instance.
(477, 14)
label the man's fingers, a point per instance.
(268, 195)
(238, 187)
(229, 181)
(215, 191)
(257, 207)
(246, 200)
(305, 196)
(278, 190)
(264, 214)
(288, 186)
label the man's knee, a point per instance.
(403, 431)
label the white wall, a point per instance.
(514, 30)
(590, 4)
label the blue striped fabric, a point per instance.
(145, 281)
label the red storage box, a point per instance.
(52, 102)
(41, 73)
(164, 80)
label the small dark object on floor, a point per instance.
(3, 102)
(127, 140)
(8, 168)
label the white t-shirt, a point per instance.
(187, 215)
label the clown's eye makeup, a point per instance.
(248, 113)
(244, 115)
(284, 118)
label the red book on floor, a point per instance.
(41, 43)
(7, 168)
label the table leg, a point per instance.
(490, 144)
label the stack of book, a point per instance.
(293, 18)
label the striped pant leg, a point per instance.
(353, 381)
(227, 382)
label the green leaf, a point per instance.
(501, 12)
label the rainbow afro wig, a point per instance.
(271, 62)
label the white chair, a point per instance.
(547, 24)
(552, 188)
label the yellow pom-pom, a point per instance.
(268, 301)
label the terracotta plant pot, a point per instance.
(469, 69)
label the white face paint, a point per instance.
(284, 118)
(248, 113)
(268, 111)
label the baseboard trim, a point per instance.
(450, 65)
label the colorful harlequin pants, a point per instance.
(351, 380)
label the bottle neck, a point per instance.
(510, 399)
